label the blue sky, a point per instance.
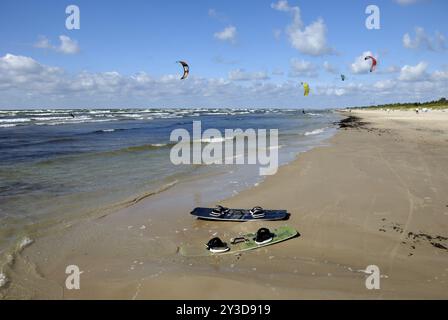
(241, 53)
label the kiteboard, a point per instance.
(240, 215)
(239, 244)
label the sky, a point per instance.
(252, 53)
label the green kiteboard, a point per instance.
(245, 242)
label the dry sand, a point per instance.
(376, 195)
(361, 201)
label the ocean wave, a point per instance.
(131, 115)
(107, 130)
(39, 114)
(145, 147)
(99, 111)
(171, 117)
(8, 125)
(16, 120)
(238, 113)
(160, 113)
(184, 112)
(215, 113)
(50, 118)
(215, 140)
(74, 121)
(102, 131)
(159, 144)
(141, 148)
(314, 132)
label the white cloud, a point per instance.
(439, 75)
(424, 41)
(385, 84)
(67, 45)
(43, 43)
(330, 68)
(360, 65)
(413, 73)
(228, 34)
(277, 72)
(241, 75)
(406, 2)
(19, 67)
(25, 72)
(390, 69)
(302, 68)
(214, 14)
(309, 39)
(12, 63)
(24, 82)
(282, 5)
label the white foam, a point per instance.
(74, 121)
(3, 279)
(160, 113)
(215, 113)
(25, 243)
(131, 115)
(98, 111)
(215, 140)
(316, 131)
(14, 120)
(50, 118)
(40, 114)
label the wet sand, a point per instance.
(375, 195)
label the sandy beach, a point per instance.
(375, 194)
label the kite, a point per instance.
(306, 88)
(186, 69)
(342, 77)
(373, 66)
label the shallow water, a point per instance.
(60, 166)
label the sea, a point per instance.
(60, 166)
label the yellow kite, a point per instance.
(306, 88)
